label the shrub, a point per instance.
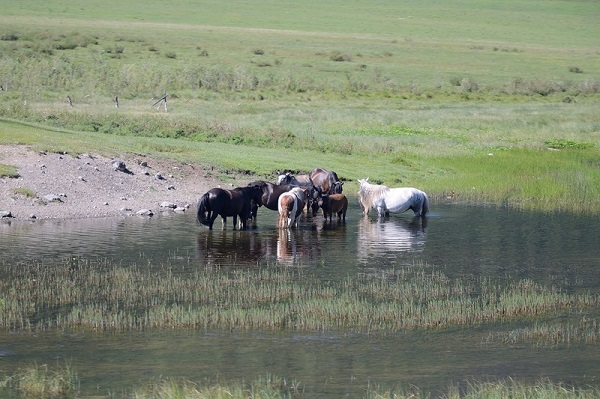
(339, 57)
(9, 37)
(575, 69)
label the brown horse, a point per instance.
(326, 182)
(334, 203)
(221, 202)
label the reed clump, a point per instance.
(548, 334)
(97, 295)
(42, 382)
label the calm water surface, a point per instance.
(558, 249)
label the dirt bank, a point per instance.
(53, 185)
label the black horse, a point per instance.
(270, 193)
(221, 202)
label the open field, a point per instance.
(406, 95)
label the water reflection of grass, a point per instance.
(82, 294)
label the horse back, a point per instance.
(334, 203)
(325, 180)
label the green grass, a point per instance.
(8, 171)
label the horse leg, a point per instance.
(243, 222)
(282, 219)
(417, 208)
(211, 220)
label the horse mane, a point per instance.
(369, 193)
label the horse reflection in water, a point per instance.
(235, 248)
(287, 250)
(238, 248)
(389, 235)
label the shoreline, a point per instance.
(60, 186)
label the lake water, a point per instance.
(551, 249)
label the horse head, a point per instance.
(285, 178)
(255, 194)
(315, 199)
(363, 182)
(337, 187)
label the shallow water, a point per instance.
(557, 249)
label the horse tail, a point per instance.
(425, 206)
(204, 210)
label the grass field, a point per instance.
(406, 94)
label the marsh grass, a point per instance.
(263, 387)
(87, 295)
(547, 334)
(473, 389)
(43, 382)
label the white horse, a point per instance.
(395, 200)
(290, 205)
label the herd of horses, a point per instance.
(292, 194)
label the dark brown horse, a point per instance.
(221, 202)
(270, 193)
(326, 182)
(334, 203)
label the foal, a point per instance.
(334, 203)
(290, 205)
